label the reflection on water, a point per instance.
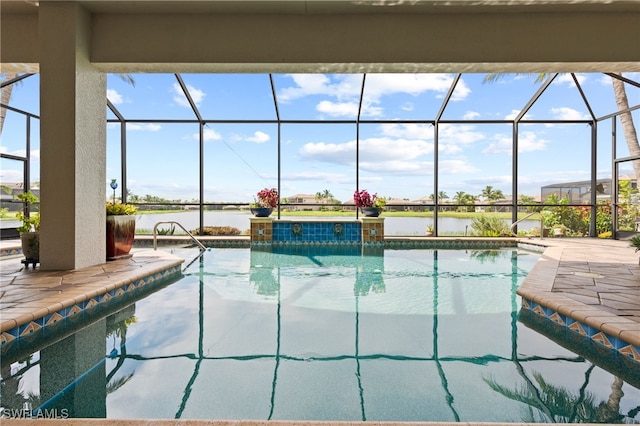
(416, 335)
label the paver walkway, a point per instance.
(594, 281)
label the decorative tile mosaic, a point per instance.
(571, 324)
(10, 251)
(445, 243)
(388, 242)
(316, 232)
(621, 362)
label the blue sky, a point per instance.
(396, 159)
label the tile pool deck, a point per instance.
(591, 286)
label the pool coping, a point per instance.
(541, 295)
(67, 294)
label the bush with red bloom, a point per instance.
(364, 199)
(267, 198)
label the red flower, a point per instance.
(268, 198)
(364, 199)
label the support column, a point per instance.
(72, 141)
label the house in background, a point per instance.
(309, 199)
(580, 192)
(9, 193)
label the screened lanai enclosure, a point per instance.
(439, 148)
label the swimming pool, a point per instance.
(392, 335)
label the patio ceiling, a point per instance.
(342, 36)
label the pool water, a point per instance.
(393, 335)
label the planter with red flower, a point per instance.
(267, 200)
(369, 205)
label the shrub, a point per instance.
(489, 226)
(217, 230)
(116, 209)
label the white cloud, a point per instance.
(566, 78)
(307, 85)
(114, 97)
(398, 167)
(211, 135)
(407, 130)
(179, 97)
(454, 167)
(378, 85)
(514, 113)
(527, 142)
(566, 113)
(149, 127)
(407, 106)
(208, 135)
(372, 151)
(35, 153)
(338, 108)
(470, 115)
(453, 136)
(346, 89)
(8, 175)
(259, 137)
(502, 145)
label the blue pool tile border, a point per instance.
(10, 251)
(577, 327)
(448, 243)
(614, 361)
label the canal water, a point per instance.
(393, 226)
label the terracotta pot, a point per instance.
(121, 231)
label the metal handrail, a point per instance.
(514, 224)
(155, 228)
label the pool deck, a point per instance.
(594, 281)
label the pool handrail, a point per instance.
(155, 228)
(514, 224)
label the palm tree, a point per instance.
(528, 199)
(626, 121)
(324, 195)
(459, 197)
(491, 194)
(557, 404)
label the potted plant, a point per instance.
(559, 230)
(121, 229)
(265, 203)
(30, 229)
(369, 205)
(429, 231)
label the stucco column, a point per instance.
(72, 141)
